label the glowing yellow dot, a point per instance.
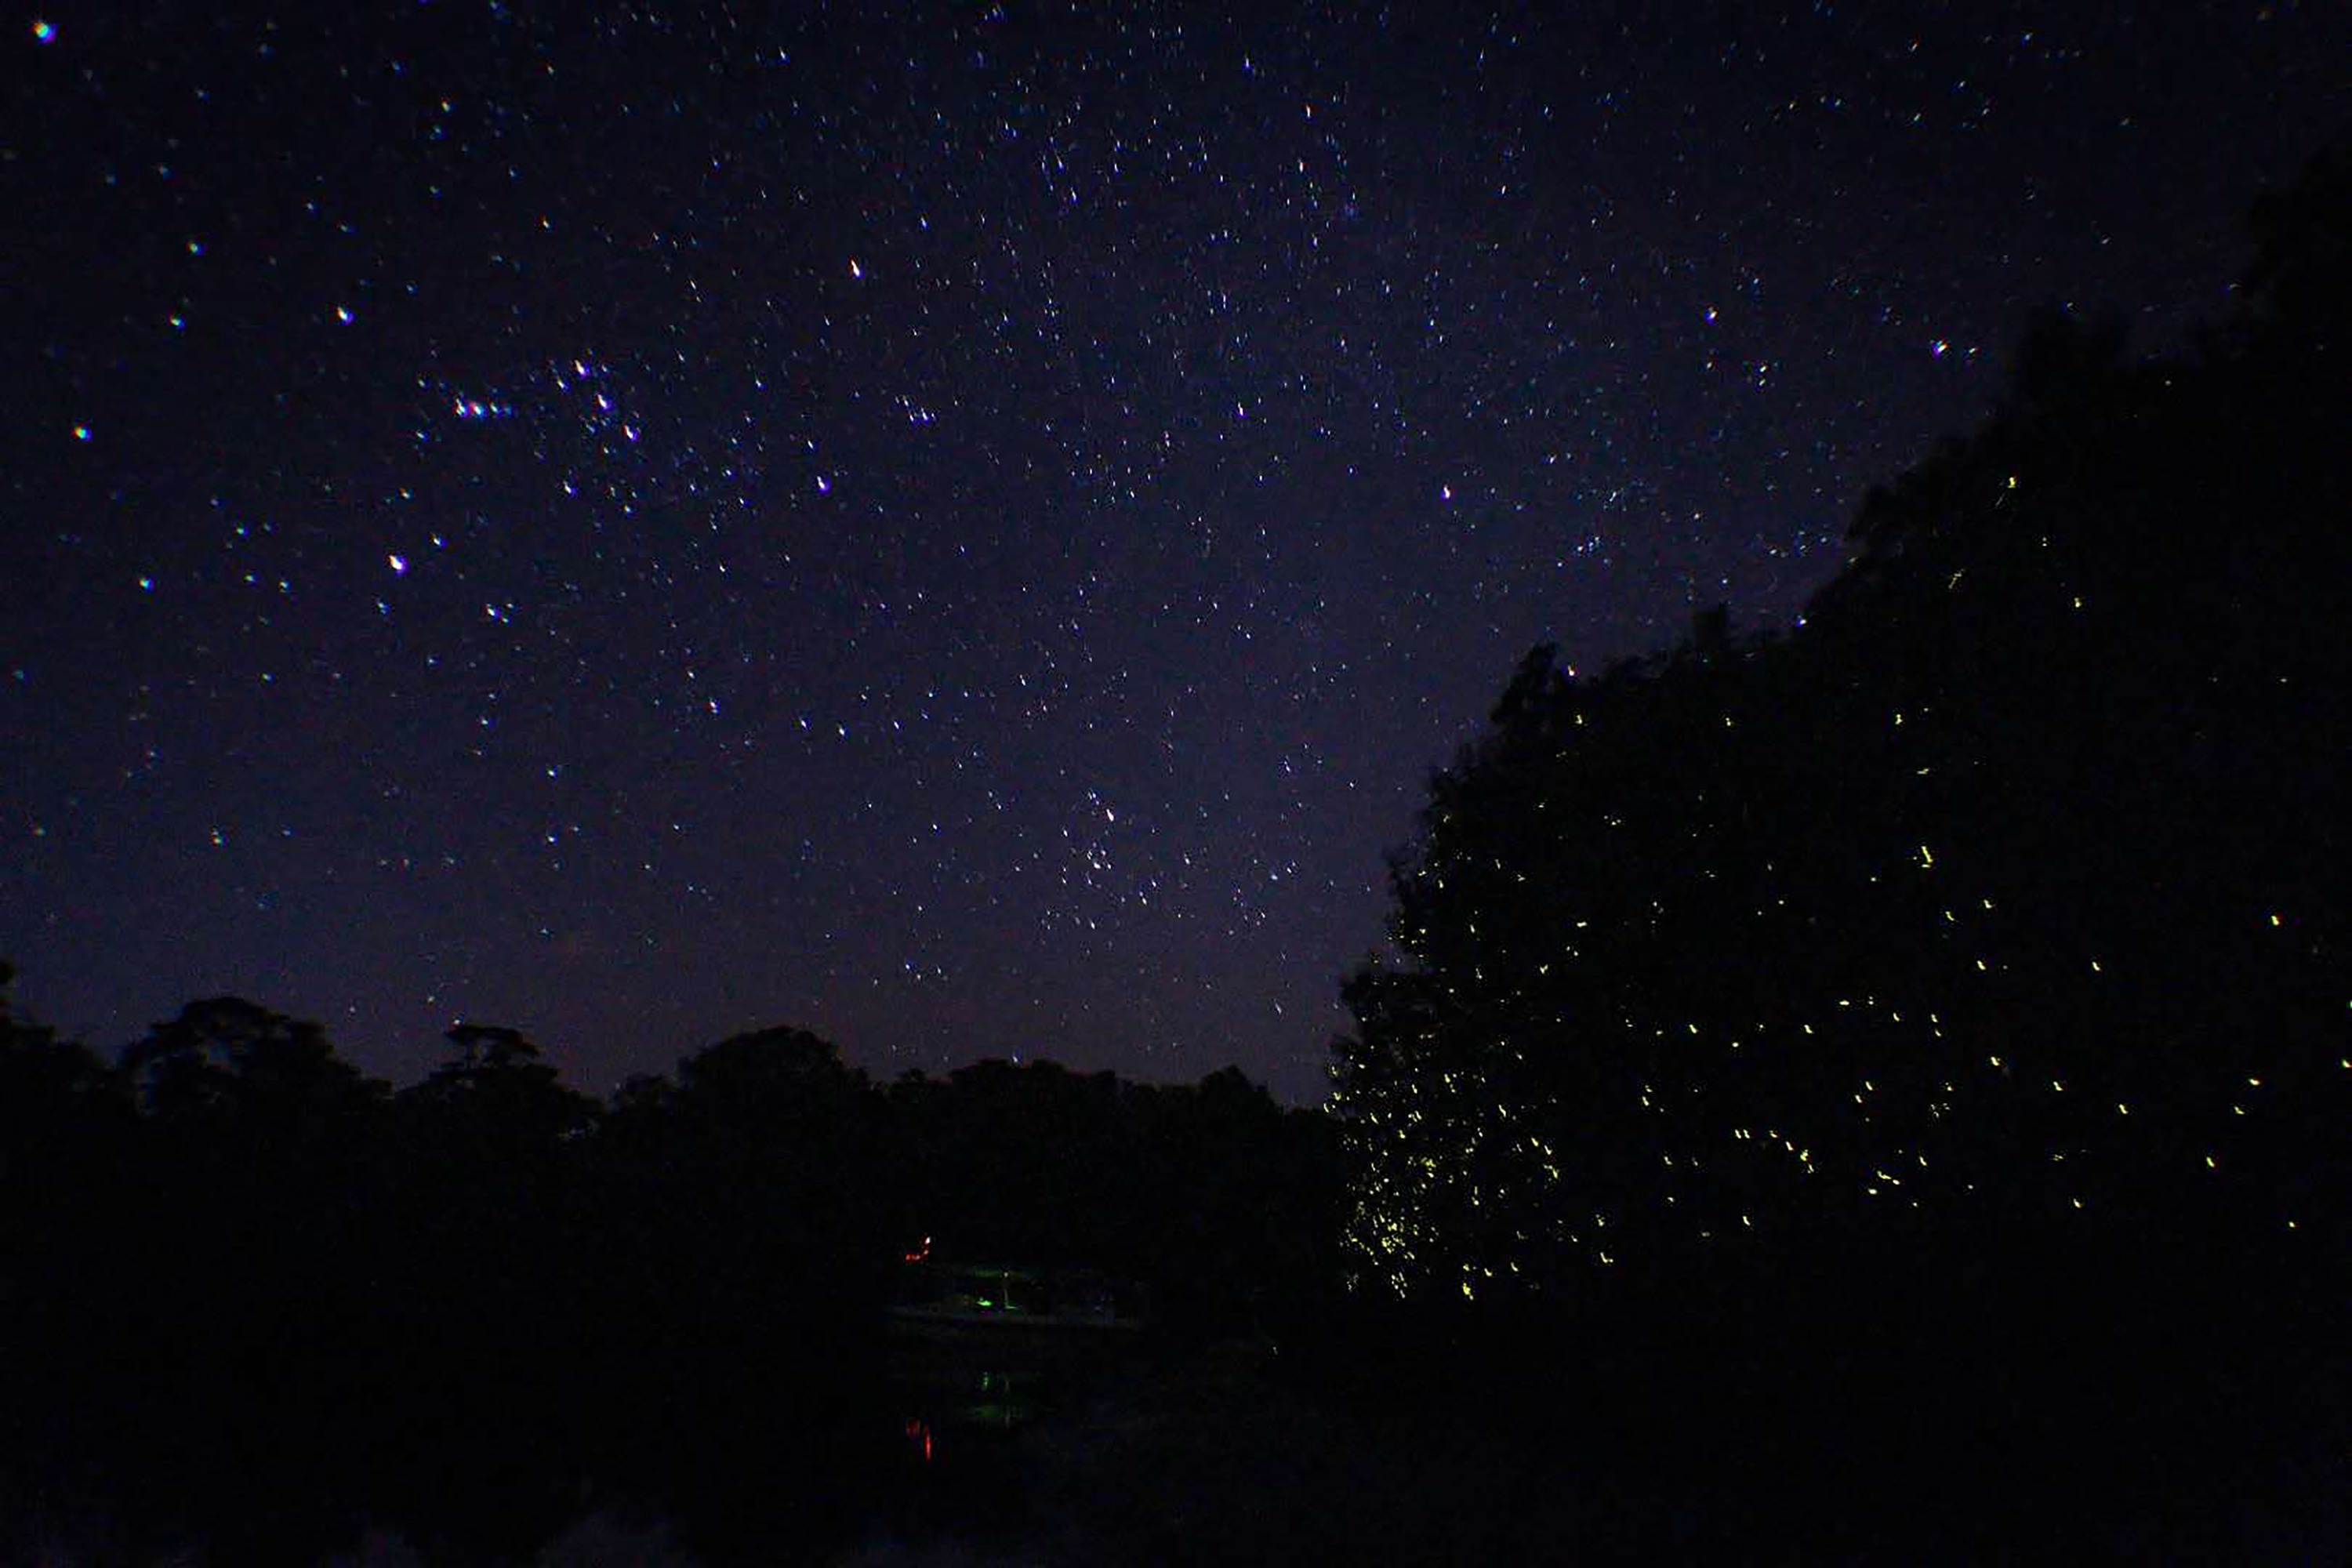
(2275, 919)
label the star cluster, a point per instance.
(961, 527)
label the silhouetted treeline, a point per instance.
(1929, 1028)
(254, 1300)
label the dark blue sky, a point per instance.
(961, 527)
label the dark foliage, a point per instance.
(255, 1300)
(1947, 997)
(2013, 879)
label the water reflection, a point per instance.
(978, 1352)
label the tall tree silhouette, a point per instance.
(2010, 882)
(249, 1281)
(492, 1252)
(72, 1199)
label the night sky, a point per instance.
(963, 529)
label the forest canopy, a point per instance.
(2010, 884)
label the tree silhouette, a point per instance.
(71, 1201)
(2010, 882)
(237, 1271)
(491, 1243)
(1903, 1060)
(228, 1058)
(267, 1298)
(496, 1090)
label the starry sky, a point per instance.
(965, 527)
